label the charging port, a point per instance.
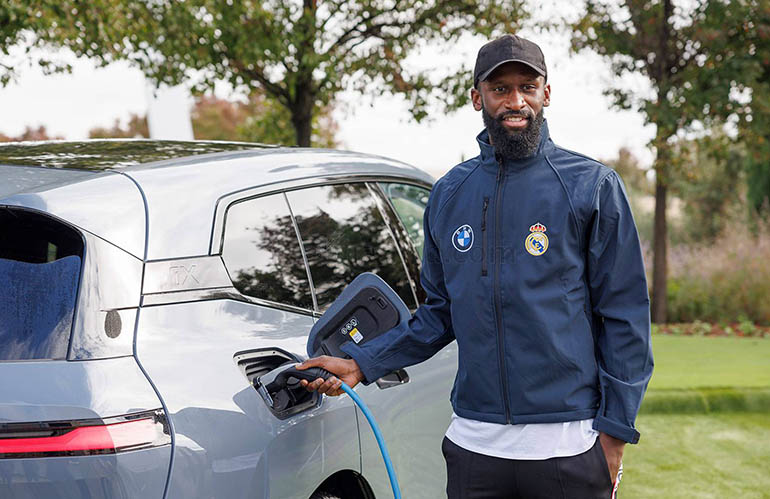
(258, 365)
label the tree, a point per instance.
(632, 173)
(257, 120)
(699, 62)
(300, 53)
(260, 119)
(18, 20)
(30, 133)
(755, 123)
(710, 185)
(135, 128)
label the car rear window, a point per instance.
(39, 271)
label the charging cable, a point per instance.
(313, 373)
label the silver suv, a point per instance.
(149, 286)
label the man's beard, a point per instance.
(514, 144)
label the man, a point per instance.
(532, 264)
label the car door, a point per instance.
(204, 348)
(351, 228)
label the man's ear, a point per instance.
(476, 99)
(547, 95)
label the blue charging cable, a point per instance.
(378, 436)
(313, 373)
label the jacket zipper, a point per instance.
(497, 299)
(484, 237)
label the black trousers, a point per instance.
(476, 476)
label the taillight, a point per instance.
(80, 438)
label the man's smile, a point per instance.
(514, 121)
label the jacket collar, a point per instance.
(489, 161)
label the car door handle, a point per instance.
(396, 378)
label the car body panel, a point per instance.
(127, 475)
(228, 443)
(65, 390)
(108, 205)
(108, 300)
(413, 418)
(29, 179)
(166, 276)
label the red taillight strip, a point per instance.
(84, 440)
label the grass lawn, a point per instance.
(716, 451)
(699, 456)
(702, 361)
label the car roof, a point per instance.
(182, 184)
(110, 154)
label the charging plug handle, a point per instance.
(309, 374)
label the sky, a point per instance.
(580, 117)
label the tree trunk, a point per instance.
(303, 129)
(302, 115)
(660, 252)
(662, 70)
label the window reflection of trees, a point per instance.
(339, 247)
(282, 278)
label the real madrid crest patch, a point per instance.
(462, 239)
(536, 242)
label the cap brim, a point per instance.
(488, 72)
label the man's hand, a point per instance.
(346, 369)
(613, 452)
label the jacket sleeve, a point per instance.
(621, 310)
(428, 330)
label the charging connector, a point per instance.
(284, 380)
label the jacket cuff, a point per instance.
(615, 429)
(365, 363)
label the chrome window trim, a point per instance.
(224, 202)
(302, 251)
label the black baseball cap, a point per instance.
(508, 48)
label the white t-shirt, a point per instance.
(523, 441)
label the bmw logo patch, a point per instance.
(462, 239)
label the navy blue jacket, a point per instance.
(535, 268)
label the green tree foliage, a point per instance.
(755, 124)
(711, 185)
(699, 58)
(19, 20)
(257, 120)
(301, 53)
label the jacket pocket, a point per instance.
(484, 237)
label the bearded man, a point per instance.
(532, 264)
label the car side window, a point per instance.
(405, 241)
(344, 234)
(262, 252)
(409, 201)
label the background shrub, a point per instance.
(727, 280)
